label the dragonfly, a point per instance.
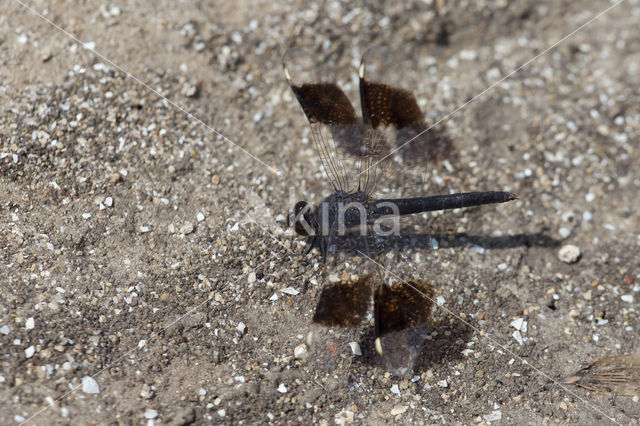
(351, 223)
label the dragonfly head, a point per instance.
(302, 219)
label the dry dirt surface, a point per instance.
(148, 156)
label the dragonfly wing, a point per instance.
(394, 111)
(332, 118)
(618, 374)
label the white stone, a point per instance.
(282, 388)
(150, 414)
(569, 253)
(301, 352)
(290, 290)
(355, 348)
(493, 416)
(627, 298)
(89, 385)
(29, 351)
(516, 335)
(517, 323)
(241, 327)
(395, 389)
(30, 323)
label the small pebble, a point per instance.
(355, 348)
(291, 291)
(241, 327)
(150, 414)
(493, 416)
(627, 298)
(191, 90)
(344, 417)
(89, 385)
(395, 389)
(144, 229)
(282, 388)
(443, 383)
(29, 351)
(398, 409)
(146, 392)
(517, 323)
(516, 335)
(187, 228)
(30, 323)
(301, 352)
(46, 55)
(5, 330)
(564, 232)
(200, 217)
(108, 201)
(569, 253)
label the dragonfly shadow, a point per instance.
(445, 343)
(454, 240)
(446, 338)
(410, 240)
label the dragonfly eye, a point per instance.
(302, 219)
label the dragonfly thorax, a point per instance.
(342, 211)
(337, 213)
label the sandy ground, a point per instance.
(135, 289)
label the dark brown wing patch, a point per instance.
(343, 304)
(390, 106)
(325, 103)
